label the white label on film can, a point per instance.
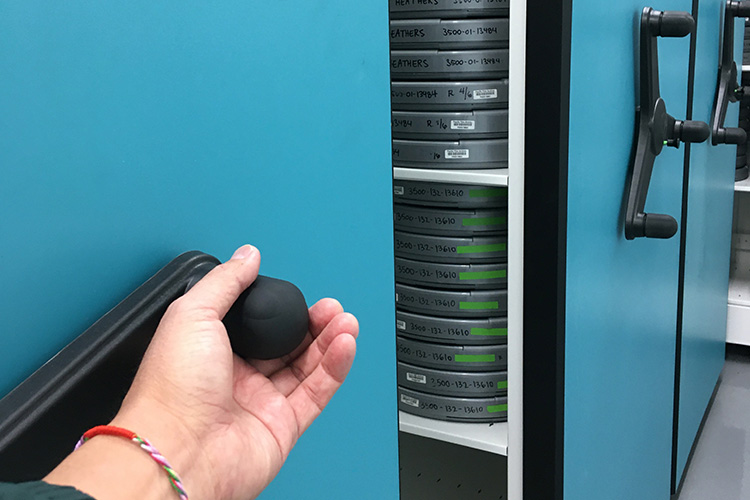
(463, 124)
(398, 190)
(401, 325)
(416, 378)
(480, 95)
(408, 400)
(396, 297)
(456, 154)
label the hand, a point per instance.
(227, 426)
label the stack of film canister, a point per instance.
(449, 93)
(742, 170)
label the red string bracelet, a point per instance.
(110, 430)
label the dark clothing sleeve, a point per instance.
(39, 490)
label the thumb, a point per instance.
(219, 289)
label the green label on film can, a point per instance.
(473, 306)
(488, 193)
(474, 358)
(497, 408)
(489, 332)
(499, 247)
(481, 275)
(484, 221)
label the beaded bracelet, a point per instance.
(110, 430)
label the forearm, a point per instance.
(39, 490)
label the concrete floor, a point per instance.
(720, 467)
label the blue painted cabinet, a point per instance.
(639, 342)
(652, 373)
(132, 132)
(621, 294)
(709, 193)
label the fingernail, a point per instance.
(244, 252)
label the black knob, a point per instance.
(691, 130)
(674, 24)
(659, 226)
(741, 9)
(732, 135)
(267, 321)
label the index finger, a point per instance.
(218, 290)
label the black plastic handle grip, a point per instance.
(656, 127)
(741, 9)
(731, 135)
(267, 321)
(727, 89)
(673, 24)
(659, 226)
(692, 131)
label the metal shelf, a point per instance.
(488, 177)
(486, 437)
(742, 186)
(738, 312)
(738, 324)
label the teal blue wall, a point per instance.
(133, 131)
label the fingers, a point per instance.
(313, 394)
(218, 290)
(288, 378)
(321, 314)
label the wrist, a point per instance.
(112, 468)
(175, 441)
